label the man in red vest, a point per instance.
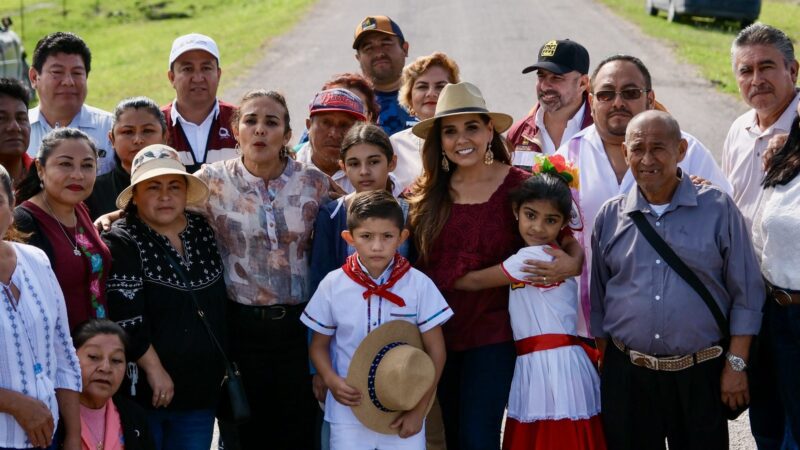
(198, 123)
(562, 88)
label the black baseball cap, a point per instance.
(560, 57)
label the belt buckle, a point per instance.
(642, 360)
(781, 297)
(281, 314)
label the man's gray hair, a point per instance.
(761, 34)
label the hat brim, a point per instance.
(358, 116)
(548, 66)
(364, 33)
(501, 122)
(366, 412)
(196, 189)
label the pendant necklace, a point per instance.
(73, 244)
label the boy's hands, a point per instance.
(409, 423)
(343, 392)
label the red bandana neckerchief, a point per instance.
(353, 270)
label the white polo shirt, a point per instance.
(338, 309)
(598, 184)
(742, 157)
(92, 121)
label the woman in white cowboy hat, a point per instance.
(461, 220)
(165, 267)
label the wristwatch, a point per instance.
(736, 362)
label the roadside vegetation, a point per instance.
(706, 43)
(131, 39)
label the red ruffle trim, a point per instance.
(564, 434)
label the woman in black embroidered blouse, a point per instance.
(152, 299)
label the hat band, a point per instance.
(373, 368)
(468, 109)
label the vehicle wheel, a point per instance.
(745, 23)
(650, 9)
(672, 15)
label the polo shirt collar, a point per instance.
(174, 114)
(82, 120)
(384, 277)
(685, 195)
(782, 125)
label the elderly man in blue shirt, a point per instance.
(666, 374)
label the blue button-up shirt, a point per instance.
(637, 298)
(92, 121)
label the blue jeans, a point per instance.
(182, 430)
(785, 322)
(769, 423)
(473, 393)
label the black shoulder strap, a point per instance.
(680, 267)
(184, 276)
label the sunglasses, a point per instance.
(626, 94)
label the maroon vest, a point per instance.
(220, 135)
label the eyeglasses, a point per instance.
(626, 94)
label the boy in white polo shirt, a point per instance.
(375, 285)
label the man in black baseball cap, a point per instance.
(562, 86)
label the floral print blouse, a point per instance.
(264, 229)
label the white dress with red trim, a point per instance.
(555, 393)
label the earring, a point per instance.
(488, 157)
(238, 150)
(445, 163)
(284, 152)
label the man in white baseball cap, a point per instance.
(198, 123)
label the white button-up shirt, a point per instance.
(598, 184)
(742, 156)
(92, 121)
(197, 135)
(408, 149)
(525, 158)
(339, 309)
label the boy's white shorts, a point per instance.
(345, 436)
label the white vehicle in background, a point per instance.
(12, 55)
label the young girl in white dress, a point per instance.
(554, 401)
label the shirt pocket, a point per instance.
(407, 313)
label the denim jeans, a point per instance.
(182, 430)
(768, 411)
(473, 392)
(785, 340)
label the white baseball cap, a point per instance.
(193, 41)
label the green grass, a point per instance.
(130, 47)
(707, 44)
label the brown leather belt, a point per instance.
(668, 363)
(783, 297)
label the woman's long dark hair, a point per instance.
(430, 200)
(785, 163)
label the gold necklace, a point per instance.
(73, 244)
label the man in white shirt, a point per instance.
(61, 65)
(765, 67)
(198, 123)
(621, 88)
(562, 88)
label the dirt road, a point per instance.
(491, 45)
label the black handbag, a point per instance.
(237, 397)
(680, 267)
